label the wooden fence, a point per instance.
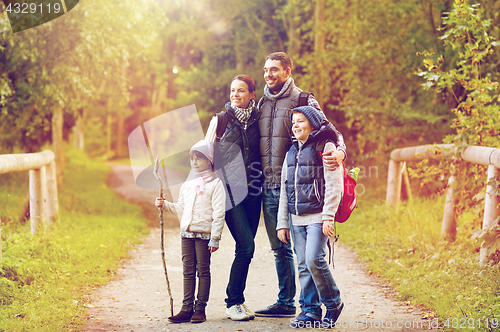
(489, 157)
(44, 206)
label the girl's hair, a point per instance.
(248, 80)
(199, 155)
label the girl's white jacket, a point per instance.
(202, 213)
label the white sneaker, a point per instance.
(248, 311)
(237, 312)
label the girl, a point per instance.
(312, 195)
(201, 212)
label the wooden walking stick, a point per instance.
(160, 182)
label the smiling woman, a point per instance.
(242, 218)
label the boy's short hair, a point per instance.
(283, 58)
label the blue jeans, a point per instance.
(283, 254)
(315, 276)
(242, 221)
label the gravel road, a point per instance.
(137, 298)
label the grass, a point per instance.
(405, 249)
(45, 279)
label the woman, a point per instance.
(243, 213)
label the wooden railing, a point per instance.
(489, 157)
(44, 206)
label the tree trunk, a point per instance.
(109, 130)
(78, 130)
(57, 142)
(120, 122)
(319, 48)
(291, 34)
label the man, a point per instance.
(280, 96)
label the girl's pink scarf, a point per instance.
(199, 178)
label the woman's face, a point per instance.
(240, 95)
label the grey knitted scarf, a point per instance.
(268, 94)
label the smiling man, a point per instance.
(280, 96)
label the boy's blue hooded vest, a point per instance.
(305, 182)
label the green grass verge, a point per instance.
(45, 278)
(405, 249)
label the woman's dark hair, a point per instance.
(248, 80)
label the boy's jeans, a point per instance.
(283, 254)
(314, 274)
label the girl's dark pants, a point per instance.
(242, 221)
(195, 258)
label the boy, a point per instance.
(312, 195)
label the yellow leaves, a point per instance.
(429, 315)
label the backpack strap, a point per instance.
(221, 125)
(303, 98)
(320, 145)
(222, 120)
(261, 102)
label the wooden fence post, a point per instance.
(38, 198)
(449, 226)
(406, 181)
(394, 184)
(491, 209)
(52, 199)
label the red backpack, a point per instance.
(348, 201)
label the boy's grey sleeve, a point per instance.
(311, 101)
(283, 204)
(334, 183)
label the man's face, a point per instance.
(275, 75)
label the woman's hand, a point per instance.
(284, 235)
(212, 249)
(328, 228)
(159, 202)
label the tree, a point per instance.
(475, 93)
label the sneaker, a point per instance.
(331, 317)
(304, 321)
(198, 317)
(275, 310)
(248, 311)
(237, 312)
(181, 317)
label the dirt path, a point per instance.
(137, 299)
